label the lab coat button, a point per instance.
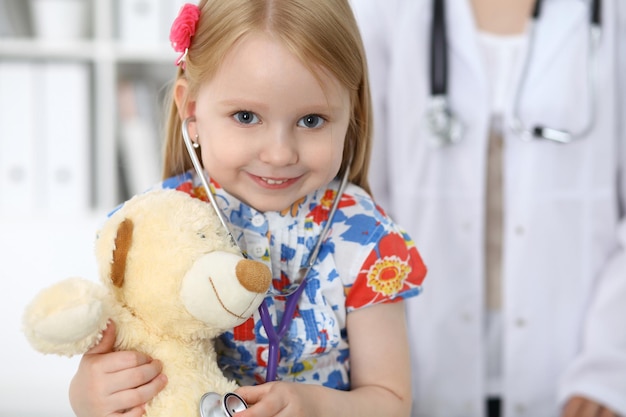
(520, 409)
(258, 220)
(520, 322)
(466, 317)
(519, 230)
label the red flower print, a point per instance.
(321, 211)
(391, 268)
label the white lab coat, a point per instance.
(564, 260)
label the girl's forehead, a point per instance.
(260, 61)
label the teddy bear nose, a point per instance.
(253, 276)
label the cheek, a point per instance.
(220, 147)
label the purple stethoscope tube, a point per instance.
(274, 337)
(292, 294)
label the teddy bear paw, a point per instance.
(67, 318)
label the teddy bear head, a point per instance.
(168, 270)
(167, 259)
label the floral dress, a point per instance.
(365, 260)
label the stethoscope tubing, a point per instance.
(205, 180)
(561, 135)
(445, 125)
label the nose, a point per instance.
(253, 276)
(280, 148)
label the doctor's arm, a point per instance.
(599, 375)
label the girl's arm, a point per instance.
(110, 383)
(380, 375)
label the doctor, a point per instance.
(524, 235)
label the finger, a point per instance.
(590, 409)
(253, 394)
(107, 342)
(605, 412)
(585, 408)
(136, 376)
(138, 397)
(572, 407)
(133, 412)
(263, 400)
(108, 364)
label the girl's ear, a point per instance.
(185, 106)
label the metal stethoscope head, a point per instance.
(213, 404)
(446, 127)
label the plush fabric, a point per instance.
(172, 281)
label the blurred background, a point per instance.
(82, 87)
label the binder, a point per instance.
(138, 136)
(19, 129)
(140, 22)
(65, 114)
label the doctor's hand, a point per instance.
(111, 383)
(583, 407)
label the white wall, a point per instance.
(35, 252)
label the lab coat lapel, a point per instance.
(461, 28)
(555, 27)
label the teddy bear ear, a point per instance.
(123, 240)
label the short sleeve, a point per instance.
(393, 270)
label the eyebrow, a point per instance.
(312, 108)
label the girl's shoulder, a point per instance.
(356, 202)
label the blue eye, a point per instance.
(246, 117)
(311, 121)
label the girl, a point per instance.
(274, 96)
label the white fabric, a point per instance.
(564, 272)
(501, 55)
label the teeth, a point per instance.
(273, 182)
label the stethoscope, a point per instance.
(444, 124)
(291, 292)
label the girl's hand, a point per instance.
(278, 399)
(583, 407)
(111, 383)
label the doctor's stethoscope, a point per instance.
(293, 291)
(444, 124)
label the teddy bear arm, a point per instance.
(67, 318)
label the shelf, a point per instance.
(90, 50)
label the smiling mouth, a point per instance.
(271, 181)
(219, 299)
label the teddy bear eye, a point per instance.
(202, 235)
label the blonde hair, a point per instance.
(321, 33)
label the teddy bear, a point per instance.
(172, 280)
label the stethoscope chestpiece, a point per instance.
(445, 127)
(213, 404)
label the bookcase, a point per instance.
(109, 58)
(125, 52)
